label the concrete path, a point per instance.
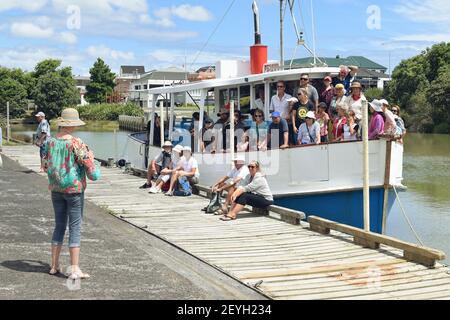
(123, 261)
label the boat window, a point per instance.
(245, 99)
(259, 97)
(223, 98)
(145, 87)
(234, 96)
(291, 87)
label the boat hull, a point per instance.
(344, 207)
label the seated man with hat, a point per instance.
(160, 162)
(166, 173)
(231, 181)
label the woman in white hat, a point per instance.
(68, 161)
(187, 167)
(309, 131)
(376, 125)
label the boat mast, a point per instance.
(281, 34)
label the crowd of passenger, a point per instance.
(311, 116)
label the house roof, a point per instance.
(132, 69)
(359, 61)
(204, 69)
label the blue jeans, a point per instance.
(68, 208)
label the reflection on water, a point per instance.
(426, 174)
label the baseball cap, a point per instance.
(276, 114)
(40, 114)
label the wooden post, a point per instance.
(8, 130)
(232, 130)
(200, 120)
(161, 122)
(387, 174)
(366, 191)
(172, 107)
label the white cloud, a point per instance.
(67, 37)
(192, 13)
(105, 52)
(30, 30)
(431, 11)
(435, 37)
(33, 5)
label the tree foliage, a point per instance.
(102, 82)
(55, 88)
(420, 85)
(12, 91)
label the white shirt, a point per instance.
(280, 105)
(188, 165)
(241, 173)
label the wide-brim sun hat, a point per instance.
(69, 118)
(384, 101)
(167, 144)
(376, 105)
(186, 148)
(310, 115)
(178, 148)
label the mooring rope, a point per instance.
(406, 217)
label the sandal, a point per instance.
(221, 211)
(227, 218)
(54, 271)
(78, 275)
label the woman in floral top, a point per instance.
(68, 162)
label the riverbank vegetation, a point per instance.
(421, 86)
(108, 111)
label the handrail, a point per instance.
(413, 252)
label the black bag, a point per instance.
(214, 203)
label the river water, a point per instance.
(426, 174)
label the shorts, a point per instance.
(41, 151)
(164, 177)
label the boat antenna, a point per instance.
(281, 34)
(300, 40)
(313, 32)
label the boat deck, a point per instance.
(281, 260)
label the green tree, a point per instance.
(55, 88)
(102, 82)
(420, 85)
(13, 91)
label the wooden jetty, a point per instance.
(318, 259)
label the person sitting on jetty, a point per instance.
(255, 192)
(186, 169)
(376, 125)
(160, 162)
(230, 182)
(278, 133)
(309, 131)
(166, 173)
(345, 76)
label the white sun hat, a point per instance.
(311, 115)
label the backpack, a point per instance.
(214, 203)
(184, 188)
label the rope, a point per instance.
(213, 32)
(406, 217)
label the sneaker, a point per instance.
(155, 190)
(145, 186)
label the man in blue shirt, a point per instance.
(346, 76)
(278, 134)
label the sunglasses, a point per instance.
(299, 94)
(251, 167)
(304, 79)
(280, 86)
(394, 110)
(258, 115)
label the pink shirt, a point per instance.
(376, 126)
(323, 120)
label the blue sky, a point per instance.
(161, 33)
